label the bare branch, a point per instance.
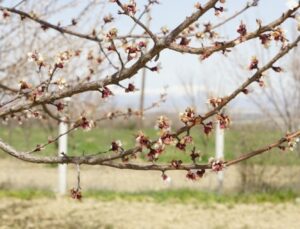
(98, 160)
(49, 25)
(234, 42)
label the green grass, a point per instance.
(26, 194)
(237, 140)
(165, 196)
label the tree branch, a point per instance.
(49, 25)
(98, 160)
(234, 42)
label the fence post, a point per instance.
(219, 153)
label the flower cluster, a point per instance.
(207, 30)
(36, 93)
(188, 117)
(134, 49)
(217, 165)
(253, 64)
(26, 115)
(166, 178)
(198, 6)
(112, 34)
(23, 85)
(116, 145)
(219, 10)
(168, 139)
(130, 8)
(62, 58)
(130, 88)
(105, 92)
(176, 164)
(265, 39)
(38, 148)
(76, 194)
(159, 146)
(183, 142)
(164, 30)
(215, 102)
(156, 68)
(195, 175)
(5, 13)
(142, 44)
(59, 106)
(142, 140)
(37, 58)
(61, 83)
(184, 41)
(242, 30)
(293, 143)
(187, 31)
(278, 34)
(163, 123)
(208, 127)
(108, 18)
(84, 123)
(156, 150)
(224, 121)
(260, 82)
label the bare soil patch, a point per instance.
(90, 213)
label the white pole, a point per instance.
(219, 152)
(62, 168)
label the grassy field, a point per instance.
(165, 196)
(237, 140)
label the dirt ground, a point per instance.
(67, 213)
